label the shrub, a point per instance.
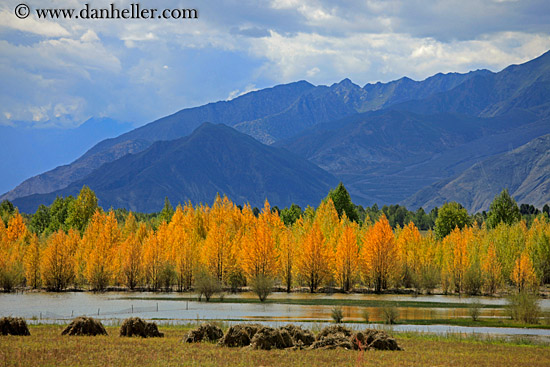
(337, 315)
(390, 314)
(473, 281)
(524, 307)
(206, 285)
(262, 285)
(366, 315)
(475, 310)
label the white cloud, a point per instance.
(40, 27)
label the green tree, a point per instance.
(290, 215)
(6, 211)
(503, 209)
(342, 202)
(82, 209)
(167, 211)
(59, 210)
(40, 220)
(450, 216)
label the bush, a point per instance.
(524, 307)
(390, 314)
(366, 315)
(475, 310)
(262, 285)
(473, 281)
(206, 285)
(337, 315)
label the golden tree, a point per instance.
(218, 256)
(380, 254)
(523, 275)
(314, 261)
(492, 271)
(409, 249)
(185, 242)
(259, 246)
(103, 240)
(347, 254)
(57, 265)
(32, 262)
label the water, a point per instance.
(112, 306)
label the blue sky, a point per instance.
(62, 72)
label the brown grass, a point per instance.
(46, 347)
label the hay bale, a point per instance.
(374, 339)
(298, 334)
(205, 332)
(333, 341)
(84, 326)
(336, 330)
(268, 338)
(134, 326)
(239, 335)
(13, 326)
(152, 330)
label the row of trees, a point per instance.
(321, 247)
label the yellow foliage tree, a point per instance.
(492, 271)
(57, 265)
(259, 246)
(379, 253)
(523, 275)
(32, 262)
(347, 254)
(315, 258)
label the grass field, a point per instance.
(46, 347)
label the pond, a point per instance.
(172, 308)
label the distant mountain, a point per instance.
(386, 156)
(517, 87)
(268, 115)
(213, 159)
(384, 141)
(27, 150)
(524, 171)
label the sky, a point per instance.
(60, 72)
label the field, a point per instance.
(46, 347)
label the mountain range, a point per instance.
(412, 142)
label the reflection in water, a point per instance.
(119, 306)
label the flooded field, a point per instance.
(171, 307)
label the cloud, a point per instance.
(139, 70)
(40, 27)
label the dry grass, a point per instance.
(46, 347)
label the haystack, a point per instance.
(268, 338)
(84, 326)
(303, 336)
(239, 335)
(135, 326)
(13, 326)
(205, 332)
(374, 339)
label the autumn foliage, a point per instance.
(226, 242)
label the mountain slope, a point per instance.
(213, 159)
(268, 115)
(28, 150)
(524, 171)
(525, 86)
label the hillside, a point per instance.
(268, 115)
(213, 159)
(524, 171)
